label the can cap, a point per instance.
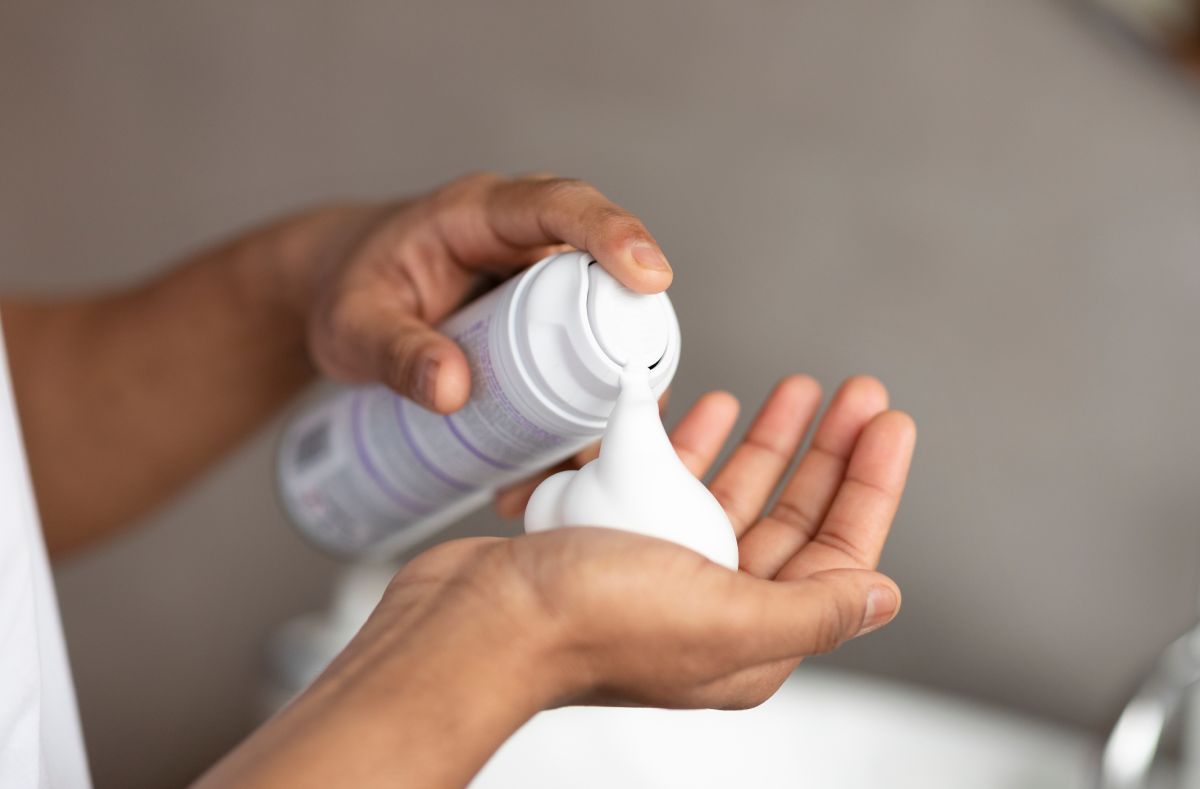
(571, 329)
(629, 326)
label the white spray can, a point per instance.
(368, 472)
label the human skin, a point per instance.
(475, 636)
(126, 396)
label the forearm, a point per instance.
(126, 396)
(425, 705)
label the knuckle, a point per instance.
(333, 339)
(615, 224)
(344, 318)
(611, 217)
(400, 357)
(834, 626)
(793, 516)
(559, 188)
(832, 536)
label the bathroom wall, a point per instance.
(992, 206)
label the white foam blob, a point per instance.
(638, 483)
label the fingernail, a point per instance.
(881, 609)
(651, 258)
(426, 387)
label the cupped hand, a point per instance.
(389, 275)
(614, 617)
(473, 637)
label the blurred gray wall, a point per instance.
(990, 205)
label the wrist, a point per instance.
(425, 693)
(449, 678)
(425, 709)
(486, 635)
(285, 264)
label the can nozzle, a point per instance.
(629, 327)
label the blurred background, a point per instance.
(991, 206)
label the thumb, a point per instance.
(425, 366)
(791, 619)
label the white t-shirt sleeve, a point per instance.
(41, 743)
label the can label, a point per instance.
(369, 462)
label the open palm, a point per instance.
(656, 624)
(474, 636)
(833, 513)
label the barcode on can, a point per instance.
(312, 447)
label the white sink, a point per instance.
(823, 729)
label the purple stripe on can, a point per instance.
(471, 448)
(368, 464)
(422, 457)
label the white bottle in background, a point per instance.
(367, 472)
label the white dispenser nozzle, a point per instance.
(631, 328)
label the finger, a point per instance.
(535, 212)
(537, 175)
(856, 528)
(806, 498)
(703, 430)
(745, 482)
(372, 340)
(767, 621)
